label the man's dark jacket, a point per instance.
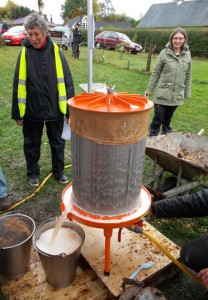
(76, 35)
(188, 206)
(42, 94)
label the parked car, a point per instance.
(15, 36)
(112, 39)
(63, 39)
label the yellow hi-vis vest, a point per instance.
(22, 93)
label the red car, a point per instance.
(112, 39)
(15, 36)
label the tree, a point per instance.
(14, 11)
(19, 12)
(40, 7)
(119, 18)
(106, 8)
(102, 10)
(76, 8)
(8, 8)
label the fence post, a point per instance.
(128, 63)
(149, 58)
(103, 58)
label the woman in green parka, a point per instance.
(172, 76)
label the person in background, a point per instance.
(42, 84)
(194, 254)
(5, 27)
(172, 75)
(71, 41)
(5, 202)
(76, 40)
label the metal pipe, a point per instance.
(90, 35)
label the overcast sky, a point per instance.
(132, 8)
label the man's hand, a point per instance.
(19, 122)
(150, 213)
(203, 274)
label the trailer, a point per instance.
(60, 38)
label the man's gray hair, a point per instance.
(35, 20)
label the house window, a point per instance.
(84, 25)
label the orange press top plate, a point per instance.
(112, 103)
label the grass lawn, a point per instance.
(126, 72)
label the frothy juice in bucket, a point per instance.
(66, 241)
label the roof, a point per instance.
(104, 24)
(183, 13)
(71, 23)
(20, 21)
(98, 24)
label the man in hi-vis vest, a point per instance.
(42, 85)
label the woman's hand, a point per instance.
(146, 95)
(19, 122)
(203, 274)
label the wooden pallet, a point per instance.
(126, 256)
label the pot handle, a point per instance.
(63, 255)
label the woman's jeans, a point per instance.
(162, 117)
(3, 185)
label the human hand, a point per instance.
(203, 274)
(146, 95)
(19, 122)
(68, 120)
(150, 213)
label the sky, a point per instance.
(132, 8)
